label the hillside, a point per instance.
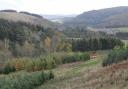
(118, 20)
(89, 75)
(109, 17)
(35, 19)
(23, 39)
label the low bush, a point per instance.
(6, 69)
(24, 80)
(48, 62)
(75, 57)
(51, 75)
(116, 56)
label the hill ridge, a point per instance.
(100, 17)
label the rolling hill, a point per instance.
(119, 20)
(26, 17)
(109, 17)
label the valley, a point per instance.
(84, 51)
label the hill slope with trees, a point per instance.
(109, 17)
(26, 17)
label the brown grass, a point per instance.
(93, 77)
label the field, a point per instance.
(125, 41)
(89, 75)
(122, 29)
(82, 75)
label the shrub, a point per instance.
(7, 69)
(24, 80)
(51, 75)
(76, 57)
(116, 56)
(47, 62)
(84, 56)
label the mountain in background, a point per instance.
(59, 18)
(103, 18)
(109, 17)
(26, 17)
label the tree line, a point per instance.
(93, 44)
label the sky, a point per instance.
(61, 7)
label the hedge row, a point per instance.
(6, 69)
(24, 80)
(116, 56)
(48, 62)
(76, 57)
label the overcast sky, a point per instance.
(59, 6)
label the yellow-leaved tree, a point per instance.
(48, 44)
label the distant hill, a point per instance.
(27, 13)
(118, 20)
(27, 17)
(109, 17)
(58, 18)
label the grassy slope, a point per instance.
(121, 29)
(89, 75)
